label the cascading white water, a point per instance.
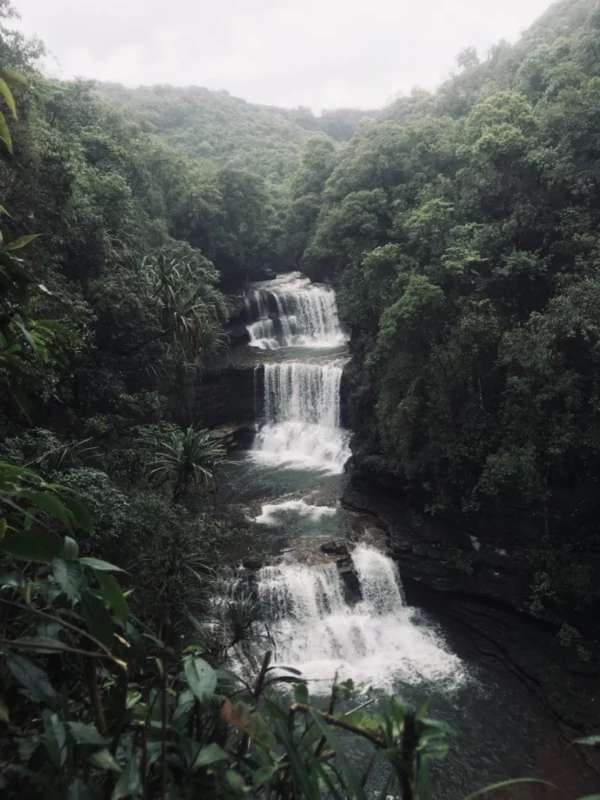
(262, 334)
(306, 315)
(374, 642)
(302, 417)
(272, 513)
(261, 331)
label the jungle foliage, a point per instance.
(462, 227)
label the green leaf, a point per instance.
(54, 326)
(70, 549)
(104, 759)
(209, 755)
(68, 577)
(591, 740)
(201, 677)
(354, 785)
(434, 749)
(28, 336)
(97, 563)
(7, 95)
(112, 594)
(398, 711)
(129, 783)
(301, 693)
(41, 546)
(97, 619)
(85, 733)
(133, 698)
(264, 775)
(80, 513)
(4, 211)
(13, 75)
(5, 133)
(259, 731)
(424, 709)
(185, 704)
(438, 725)
(500, 785)
(236, 781)
(49, 503)
(31, 677)
(55, 738)
(307, 781)
(22, 241)
(293, 670)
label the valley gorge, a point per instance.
(300, 433)
(467, 586)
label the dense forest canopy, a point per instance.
(225, 130)
(214, 126)
(461, 228)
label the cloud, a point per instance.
(319, 53)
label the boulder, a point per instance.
(336, 547)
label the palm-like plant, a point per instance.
(187, 458)
(194, 322)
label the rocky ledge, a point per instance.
(478, 592)
(224, 394)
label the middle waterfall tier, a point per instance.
(290, 311)
(302, 417)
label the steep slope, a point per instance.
(462, 227)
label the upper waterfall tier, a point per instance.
(290, 311)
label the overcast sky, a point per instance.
(319, 53)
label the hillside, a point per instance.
(214, 126)
(228, 131)
(339, 123)
(462, 228)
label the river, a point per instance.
(291, 481)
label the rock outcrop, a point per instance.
(478, 591)
(225, 395)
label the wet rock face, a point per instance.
(225, 396)
(336, 547)
(479, 592)
(234, 437)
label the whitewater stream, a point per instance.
(320, 622)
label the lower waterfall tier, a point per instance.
(374, 640)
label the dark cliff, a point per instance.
(225, 395)
(480, 591)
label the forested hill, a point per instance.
(214, 126)
(226, 130)
(340, 123)
(462, 226)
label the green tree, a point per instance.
(187, 458)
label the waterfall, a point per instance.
(302, 417)
(373, 641)
(373, 637)
(291, 311)
(262, 334)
